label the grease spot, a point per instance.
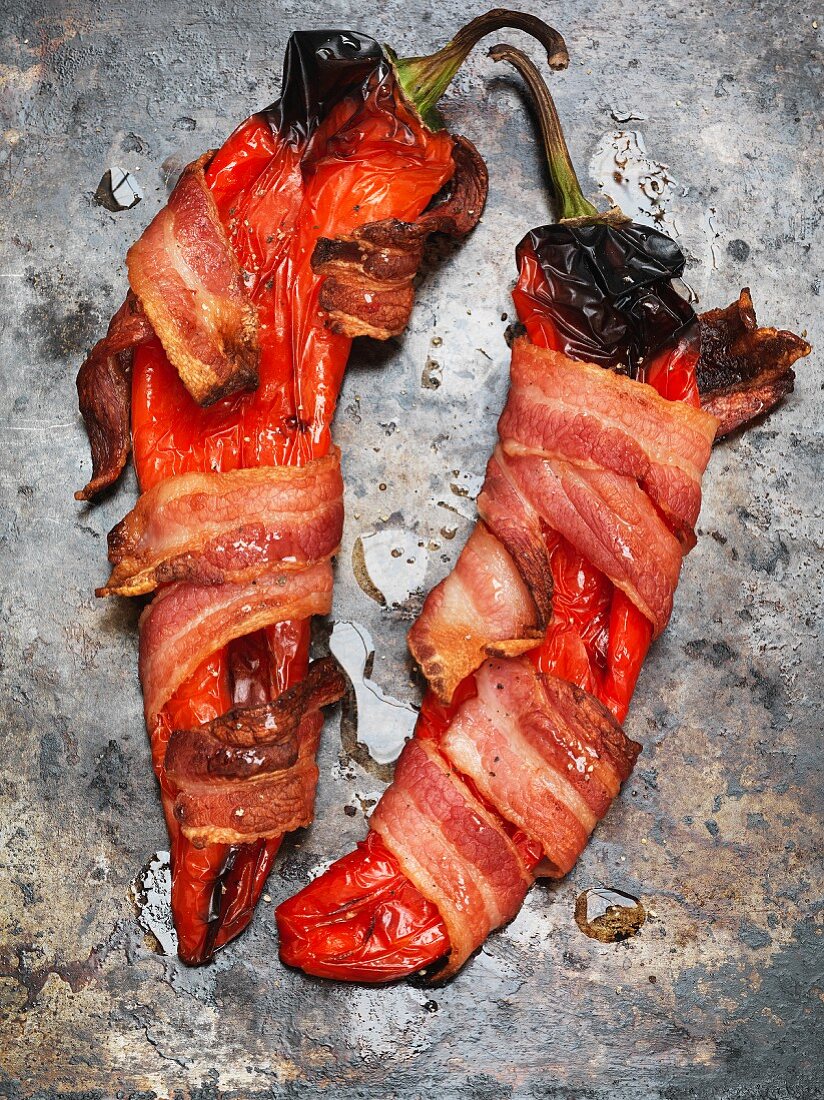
(151, 894)
(609, 915)
(390, 565)
(383, 724)
(631, 179)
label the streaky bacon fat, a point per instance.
(186, 622)
(273, 804)
(544, 753)
(483, 606)
(208, 528)
(451, 848)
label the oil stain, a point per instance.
(609, 915)
(390, 565)
(375, 734)
(151, 893)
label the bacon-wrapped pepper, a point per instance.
(222, 369)
(533, 644)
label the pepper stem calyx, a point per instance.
(425, 79)
(573, 205)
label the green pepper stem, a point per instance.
(565, 181)
(425, 79)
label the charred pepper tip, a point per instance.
(573, 205)
(425, 79)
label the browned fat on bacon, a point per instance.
(251, 772)
(744, 370)
(368, 286)
(547, 755)
(208, 528)
(451, 848)
(190, 286)
(483, 606)
(186, 622)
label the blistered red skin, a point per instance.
(429, 817)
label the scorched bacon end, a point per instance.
(303, 230)
(589, 503)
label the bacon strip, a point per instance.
(451, 848)
(104, 394)
(544, 753)
(744, 370)
(190, 285)
(368, 286)
(186, 622)
(609, 519)
(562, 408)
(208, 528)
(250, 773)
(600, 459)
(482, 607)
(233, 813)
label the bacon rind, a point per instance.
(209, 528)
(104, 386)
(367, 289)
(186, 622)
(482, 606)
(451, 849)
(190, 284)
(744, 370)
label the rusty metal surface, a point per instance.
(718, 832)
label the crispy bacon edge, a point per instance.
(251, 772)
(104, 387)
(744, 371)
(368, 286)
(104, 378)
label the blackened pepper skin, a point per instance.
(608, 289)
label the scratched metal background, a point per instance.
(718, 832)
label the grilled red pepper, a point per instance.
(332, 189)
(598, 288)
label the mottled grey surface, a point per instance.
(721, 993)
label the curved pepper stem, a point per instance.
(425, 79)
(565, 181)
